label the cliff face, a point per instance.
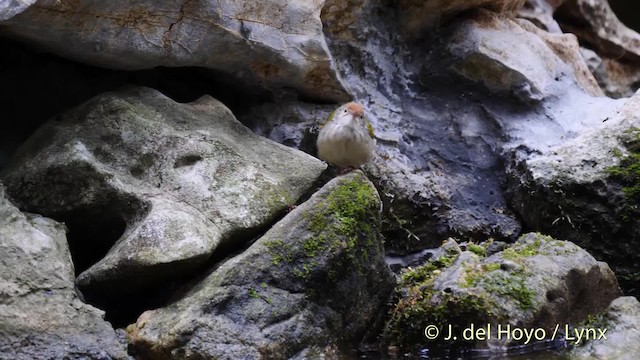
(492, 118)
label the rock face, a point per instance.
(10, 8)
(537, 282)
(511, 57)
(616, 63)
(586, 189)
(316, 277)
(422, 15)
(621, 321)
(41, 315)
(167, 182)
(595, 23)
(271, 43)
(616, 78)
(444, 119)
(540, 12)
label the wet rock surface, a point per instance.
(41, 314)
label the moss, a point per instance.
(628, 171)
(510, 284)
(344, 222)
(419, 305)
(279, 252)
(519, 250)
(253, 293)
(477, 249)
(592, 321)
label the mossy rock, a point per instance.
(537, 281)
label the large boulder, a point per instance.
(535, 283)
(41, 317)
(316, 278)
(168, 183)
(586, 189)
(272, 43)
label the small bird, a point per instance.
(346, 138)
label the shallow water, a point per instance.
(543, 350)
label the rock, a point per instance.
(538, 282)
(423, 15)
(168, 183)
(11, 8)
(540, 13)
(620, 323)
(566, 47)
(274, 43)
(41, 315)
(586, 189)
(516, 57)
(597, 26)
(292, 123)
(315, 278)
(616, 78)
(440, 161)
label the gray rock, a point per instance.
(585, 189)
(292, 123)
(315, 278)
(11, 8)
(418, 16)
(515, 57)
(41, 316)
(183, 179)
(441, 138)
(273, 43)
(620, 322)
(595, 24)
(540, 12)
(617, 78)
(538, 282)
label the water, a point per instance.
(543, 350)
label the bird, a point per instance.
(347, 139)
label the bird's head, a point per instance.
(355, 109)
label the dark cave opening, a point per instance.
(37, 86)
(627, 11)
(91, 233)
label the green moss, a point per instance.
(510, 284)
(628, 171)
(419, 305)
(344, 222)
(592, 321)
(519, 251)
(279, 252)
(253, 293)
(478, 250)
